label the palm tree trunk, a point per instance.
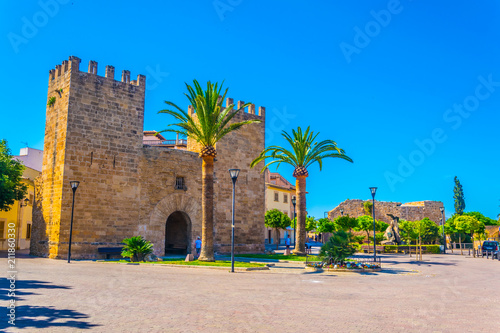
(207, 208)
(300, 244)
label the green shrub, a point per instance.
(136, 248)
(51, 101)
(390, 248)
(338, 248)
(435, 249)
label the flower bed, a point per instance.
(347, 266)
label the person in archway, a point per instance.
(198, 246)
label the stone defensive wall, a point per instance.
(411, 211)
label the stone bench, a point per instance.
(108, 251)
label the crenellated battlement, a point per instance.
(73, 66)
(250, 109)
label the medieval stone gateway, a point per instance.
(94, 134)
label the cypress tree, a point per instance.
(458, 195)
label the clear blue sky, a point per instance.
(410, 89)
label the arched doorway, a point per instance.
(178, 233)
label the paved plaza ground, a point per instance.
(444, 293)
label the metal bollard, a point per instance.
(487, 254)
(469, 251)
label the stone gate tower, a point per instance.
(94, 134)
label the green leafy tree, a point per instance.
(346, 223)
(276, 220)
(467, 225)
(381, 226)
(304, 151)
(11, 172)
(379, 237)
(429, 231)
(311, 223)
(337, 248)
(209, 124)
(365, 223)
(136, 248)
(407, 231)
(325, 226)
(458, 195)
(481, 218)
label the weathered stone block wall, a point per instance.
(158, 170)
(410, 211)
(103, 122)
(45, 236)
(236, 151)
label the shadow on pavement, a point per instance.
(22, 285)
(28, 316)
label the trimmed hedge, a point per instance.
(434, 249)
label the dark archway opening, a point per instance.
(178, 234)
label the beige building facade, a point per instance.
(19, 215)
(128, 187)
(279, 193)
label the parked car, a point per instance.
(491, 247)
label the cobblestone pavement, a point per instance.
(440, 294)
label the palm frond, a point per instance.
(303, 150)
(211, 121)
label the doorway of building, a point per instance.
(178, 233)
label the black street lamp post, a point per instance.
(294, 202)
(373, 191)
(74, 186)
(234, 176)
(442, 224)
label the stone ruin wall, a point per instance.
(409, 211)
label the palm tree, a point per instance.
(208, 125)
(304, 152)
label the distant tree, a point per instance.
(276, 220)
(325, 226)
(381, 226)
(310, 223)
(429, 231)
(468, 225)
(365, 223)
(459, 197)
(407, 231)
(11, 172)
(346, 222)
(481, 218)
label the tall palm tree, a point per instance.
(304, 152)
(208, 125)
